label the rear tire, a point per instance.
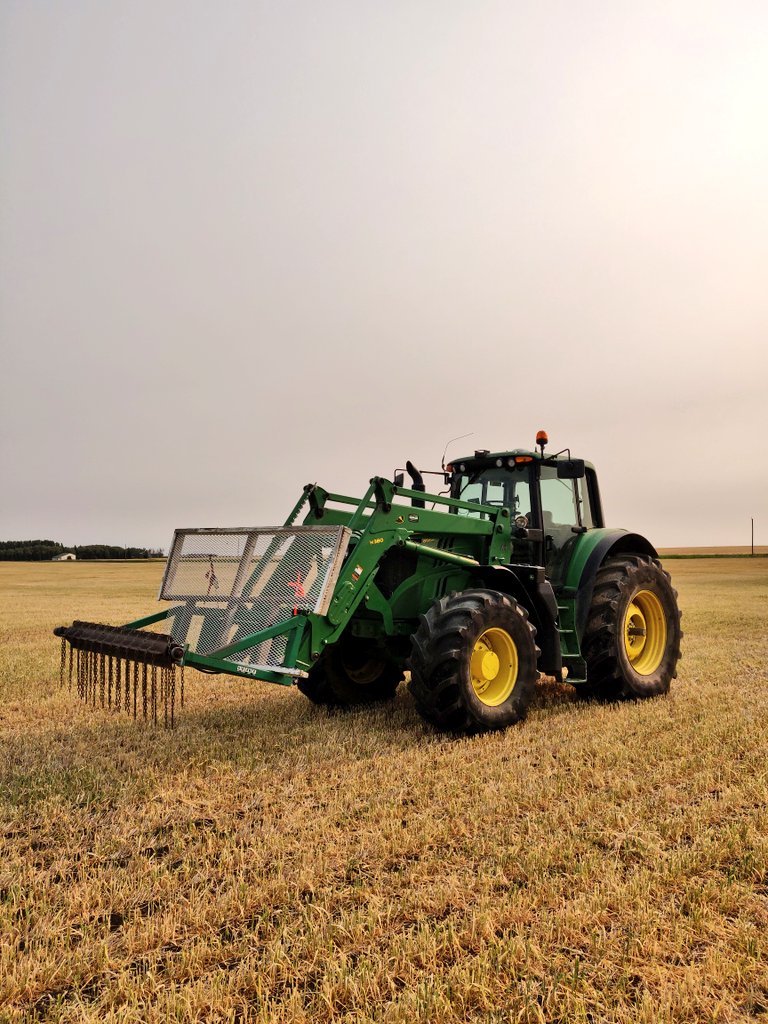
(353, 671)
(473, 662)
(632, 641)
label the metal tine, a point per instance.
(109, 679)
(173, 690)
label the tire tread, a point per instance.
(440, 650)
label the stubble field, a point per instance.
(269, 862)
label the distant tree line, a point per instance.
(45, 550)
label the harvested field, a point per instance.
(737, 550)
(270, 862)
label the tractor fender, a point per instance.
(529, 586)
(593, 549)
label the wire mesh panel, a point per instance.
(239, 582)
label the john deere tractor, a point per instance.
(507, 575)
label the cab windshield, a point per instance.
(499, 487)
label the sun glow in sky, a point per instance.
(248, 245)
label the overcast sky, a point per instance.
(248, 245)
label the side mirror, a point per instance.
(570, 469)
(399, 479)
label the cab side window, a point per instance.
(587, 515)
(558, 500)
(560, 513)
(565, 502)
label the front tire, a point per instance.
(632, 641)
(353, 671)
(473, 662)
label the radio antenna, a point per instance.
(449, 443)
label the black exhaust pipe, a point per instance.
(418, 484)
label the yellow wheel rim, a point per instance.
(493, 666)
(645, 633)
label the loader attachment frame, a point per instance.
(242, 598)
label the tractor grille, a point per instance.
(237, 582)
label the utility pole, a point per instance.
(753, 535)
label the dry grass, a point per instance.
(270, 862)
(735, 549)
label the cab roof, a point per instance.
(486, 458)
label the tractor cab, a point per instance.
(552, 499)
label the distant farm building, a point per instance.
(68, 556)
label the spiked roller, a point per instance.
(119, 642)
(121, 665)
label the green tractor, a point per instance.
(507, 575)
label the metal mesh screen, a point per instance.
(238, 582)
